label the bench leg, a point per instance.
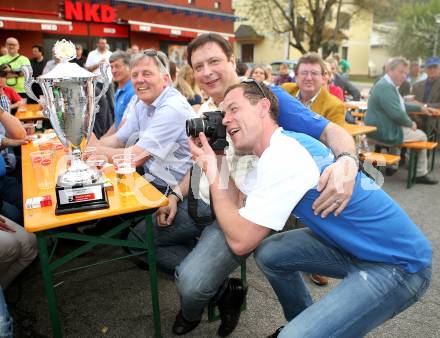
(432, 159)
(412, 168)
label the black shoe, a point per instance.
(182, 326)
(390, 171)
(276, 333)
(229, 305)
(425, 180)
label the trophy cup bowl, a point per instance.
(70, 104)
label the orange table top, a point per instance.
(145, 197)
(436, 114)
(355, 129)
(30, 112)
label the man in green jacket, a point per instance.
(388, 112)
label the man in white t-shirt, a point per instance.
(97, 57)
(382, 257)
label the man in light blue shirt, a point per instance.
(155, 131)
(120, 67)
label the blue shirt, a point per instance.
(122, 97)
(295, 116)
(373, 227)
(2, 167)
(159, 128)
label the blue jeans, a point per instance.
(5, 319)
(11, 195)
(200, 266)
(369, 294)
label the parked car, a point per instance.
(290, 63)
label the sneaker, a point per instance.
(319, 280)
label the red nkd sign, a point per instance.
(88, 12)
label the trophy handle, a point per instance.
(103, 69)
(28, 82)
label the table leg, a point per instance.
(48, 285)
(151, 249)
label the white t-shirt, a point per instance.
(239, 165)
(285, 172)
(95, 57)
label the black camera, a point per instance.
(211, 124)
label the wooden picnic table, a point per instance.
(30, 112)
(45, 224)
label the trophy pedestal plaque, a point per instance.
(80, 188)
(80, 198)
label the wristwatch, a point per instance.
(348, 155)
(179, 197)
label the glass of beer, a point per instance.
(125, 167)
(42, 163)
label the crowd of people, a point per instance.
(285, 140)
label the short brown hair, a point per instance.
(266, 73)
(203, 39)
(311, 58)
(251, 90)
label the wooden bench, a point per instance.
(359, 116)
(376, 159)
(379, 159)
(414, 148)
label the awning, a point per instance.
(64, 27)
(155, 28)
(329, 34)
(247, 34)
(33, 24)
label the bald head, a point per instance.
(12, 46)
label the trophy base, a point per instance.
(80, 198)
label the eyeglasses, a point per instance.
(247, 81)
(311, 73)
(155, 54)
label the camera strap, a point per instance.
(193, 196)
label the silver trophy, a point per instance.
(70, 103)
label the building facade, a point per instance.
(168, 26)
(265, 46)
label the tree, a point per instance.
(416, 30)
(306, 21)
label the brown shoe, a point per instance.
(319, 280)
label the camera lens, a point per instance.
(194, 127)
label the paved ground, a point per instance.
(113, 300)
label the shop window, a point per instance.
(217, 4)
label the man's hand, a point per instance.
(9, 142)
(165, 215)
(4, 226)
(204, 156)
(336, 185)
